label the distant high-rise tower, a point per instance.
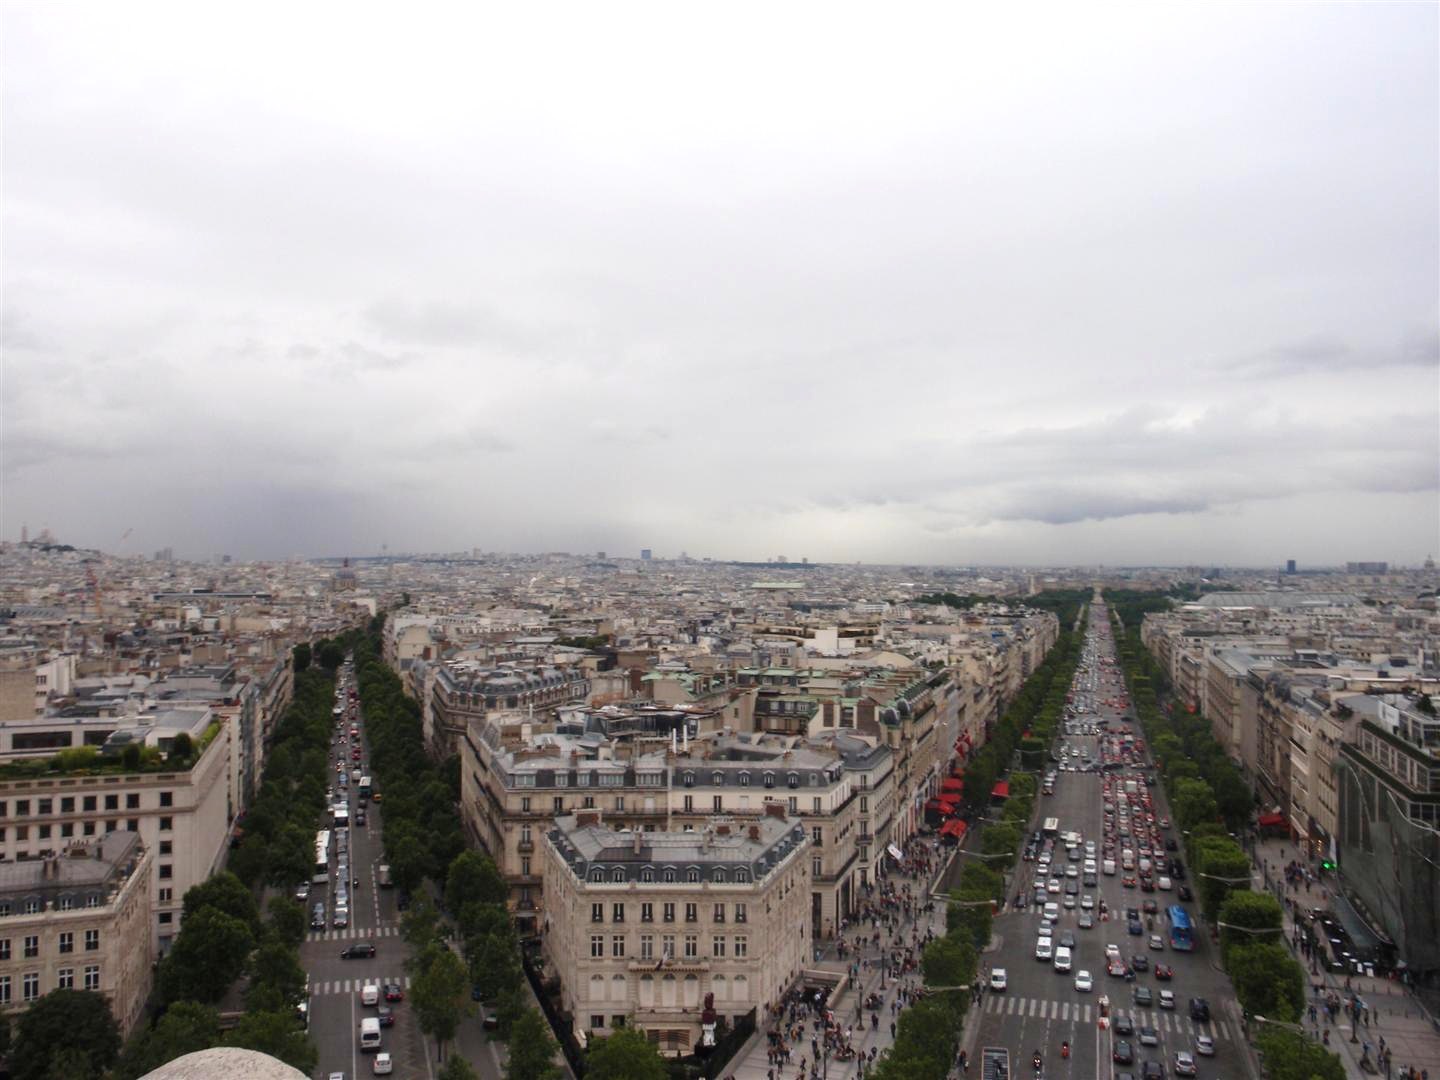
(1289, 566)
(645, 554)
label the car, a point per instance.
(1066, 938)
(1199, 1010)
(1053, 885)
(1143, 998)
(1123, 1025)
(1069, 901)
(375, 797)
(341, 918)
(1163, 883)
(1152, 1070)
(358, 951)
(1157, 942)
(1140, 962)
(1087, 901)
(1044, 950)
(1149, 906)
(386, 1015)
(1149, 1036)
(1184, 893)
(1167, 999)
(1204, 1045)
(1072, 872)
(1122, 1053)
(360, 819)
(1083, 982)
(1089, 880)
(1086, 921)
(393, 992)
(317, 917)
(382, 1065)
(1164, 972)
(1184, 1063)
(302, 891)
(1170, 844)
(1128, 881)
(998, 980)
(491, 1022)
(1134, 927)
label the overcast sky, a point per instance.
(1026, 284)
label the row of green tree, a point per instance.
(929, 1030)
(1210, 802)
(422, 828)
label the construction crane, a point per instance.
(94, 581)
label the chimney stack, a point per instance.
(754, 832)
(635, 842)
(775, 810)
(587, 817)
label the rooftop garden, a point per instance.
(76, 761)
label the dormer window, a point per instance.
(597, 874)
(719, 876)
(617, 875)
(769, 779)
(718, 779)
(647, 874)
(742, 875)
(668, 875)
(689, 779)
(793, 779)
(692, 874)
(744, 779)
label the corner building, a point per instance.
(641, 926)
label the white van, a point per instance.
(370, 994)
(370, 1033)
(1062, 959)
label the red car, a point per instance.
(1128, 881)
(1164, 973)
(393, 992)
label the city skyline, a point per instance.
(1119, 286)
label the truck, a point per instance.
(382, 876)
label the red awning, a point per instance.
(1273, 821)
(954, 783)
(939, 807)
(954, 827)
(1001, 790)
(947, 799)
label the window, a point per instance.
(32, 946)
(794, 805)
(815, 867)
(647, 946)
(692, 874)
(717, 946)
(587, 803)
(559, 804)
(647, 912)
(739, 912)
(617, 912)
(89, 830)
(620, 802)
(717, 779)
(88, 804)
(44, 807)
(525, 804)
(689, 802)
(166, 917)
(717, 803)
(769, 779)
(92, 977)
(719, 913)
(597, 946)
(31, 985)
(525, 866)
(618, 874)
(669, 875)
(617, 946)
(742, 948)
(5, 949)
(647, 874)
(668, 912)
(792, 779)
(4, 809)
(864, 804)
(111, 826)
(43, 831)
(667, 947)
(133, 824)
(132, 801)
(67, 902)
(597, 874)
(166, 895)
(92, 900)
(65, 979)
(112, 802)
(692, 946)
(597, 912)
(22, 832)
(692, 912)
(597, 1020)
(815, 836)
(32, 907)
(689, 779)
(744, 779)
(719, 876)
(67, 804)
(166, 871)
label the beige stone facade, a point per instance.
(79, 920)
(640, 927)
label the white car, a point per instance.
(1062, 959)
(1053, 885)
(1163, 883)
(998, 980)
(1069, 902)
(1043, 950)
(1087, 901)
(1205, 1045)
(1112, 952)
(1083, 982)
(382, 1064)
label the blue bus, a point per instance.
(1182, 938)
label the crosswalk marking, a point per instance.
(353, 986)
(1075, 1012)
(351, 933)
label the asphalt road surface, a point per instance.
(1041, 1008)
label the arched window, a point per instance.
(689, 779)
(769, 779)
(718, 779)
(793, 779)
(744, 779)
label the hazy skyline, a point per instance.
(1020, 284)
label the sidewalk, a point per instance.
(1387, 1009)
(752, 1062)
